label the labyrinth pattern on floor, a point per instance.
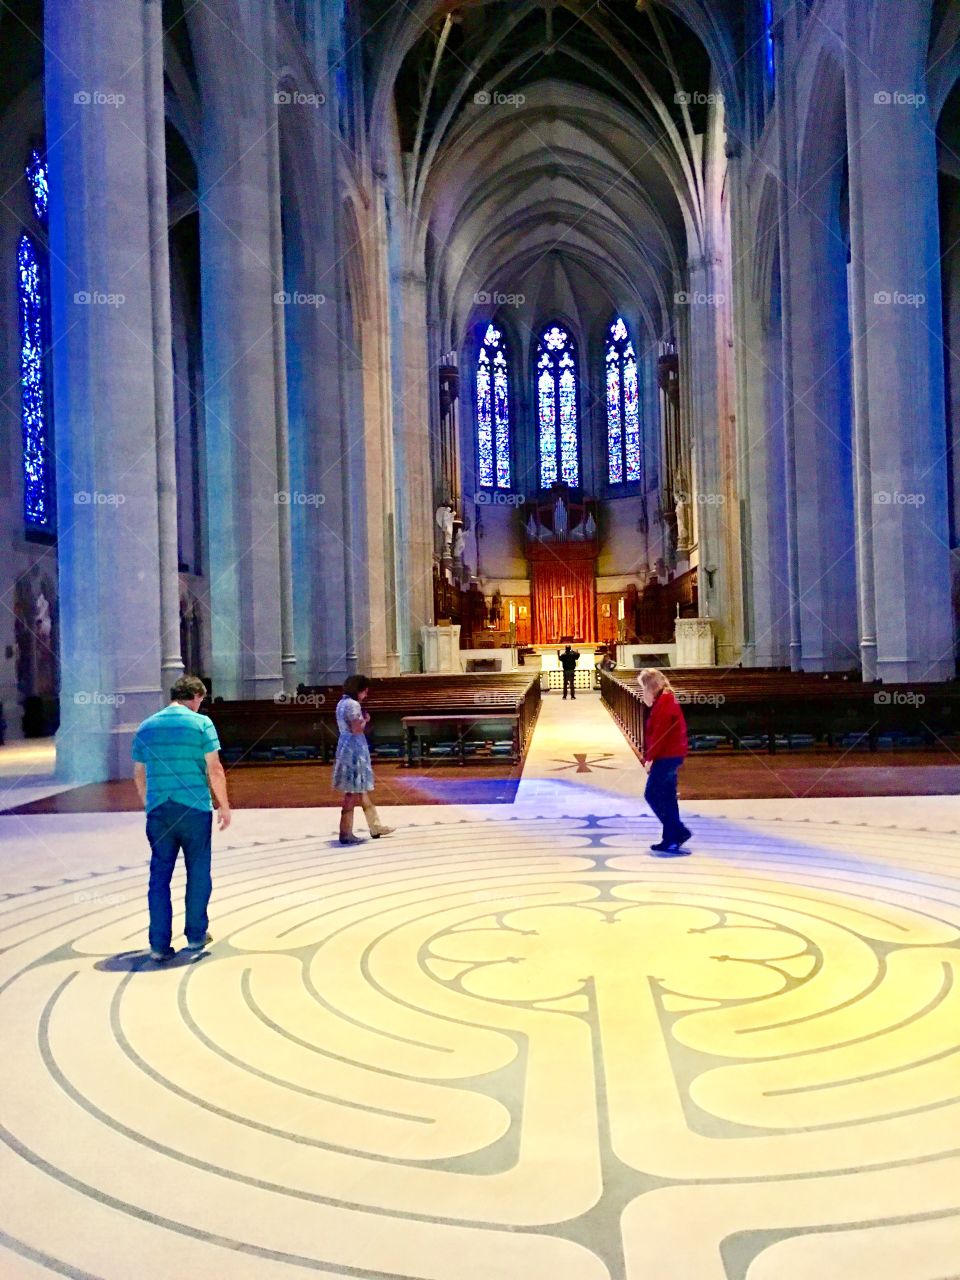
(496, 1050)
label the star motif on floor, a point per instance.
(582, 764)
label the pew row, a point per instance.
(774, 710)
(498, 712)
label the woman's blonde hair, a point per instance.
(653, 677)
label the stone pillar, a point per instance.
(288, 657)
(816, 318)
(239, 313)
(108, 386)
(760, 462)
(784, 105)
(375, 597)
(705, 289)
(898, 359)
(171, 657)
(414, 479)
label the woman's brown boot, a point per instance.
(346, 828)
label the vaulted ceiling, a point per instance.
(551, 148)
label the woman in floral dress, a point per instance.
(352, 769)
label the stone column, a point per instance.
(760, 461)
(239, 313)
(898, 359)
(376, 596)
(820, 445)
(171, 658)
(109, 386)
(415, 482)
(288, 657)
(705, 288)
(786, 115)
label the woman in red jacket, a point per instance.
(664, 751)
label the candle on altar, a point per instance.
(620, 610)
(513, 613)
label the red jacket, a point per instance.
(665, 731)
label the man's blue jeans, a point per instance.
(170, 828)
(661, 796)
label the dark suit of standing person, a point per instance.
(176, 766)
(568, 660)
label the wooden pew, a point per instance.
(304, 724)
(756, 708)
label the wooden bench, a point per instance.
(415, 727)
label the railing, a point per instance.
(626, 707)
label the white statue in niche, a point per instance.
(458, 545)
(42, 622)
(682, 510)
(445, 518)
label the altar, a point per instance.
(561, 545)
(550, 655)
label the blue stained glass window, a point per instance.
(37, 496)
(34, 309)
(624, 458)
(769, 53)
(36, 173)
(493, 411)
(614, 418)
(558, 418)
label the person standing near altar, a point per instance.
(568, 661)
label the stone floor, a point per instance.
(503, 1042)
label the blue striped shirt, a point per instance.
(172, 745)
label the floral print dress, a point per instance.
(352, 770)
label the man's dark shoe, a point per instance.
(158, 956)
(198, 946)
(687, 833)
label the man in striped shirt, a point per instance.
(176, 755)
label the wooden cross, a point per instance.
(564, 597)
